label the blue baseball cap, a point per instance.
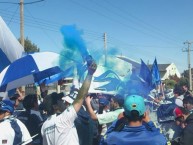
(7, 105)
(134, 102)
(103, 101)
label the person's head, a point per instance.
(188, 103)
(117, 101)
(15, 99)
(185, 87)
(30, 102)
(160, 96)
(134, 108)
(177, 91)
(53, 103)
(6, 108)
(104, 103)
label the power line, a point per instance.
(141, 21)
(119, 22)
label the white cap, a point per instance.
(68, 99)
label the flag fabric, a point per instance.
(10, 48)
(112, 81)
(155, 74)
(145, 73)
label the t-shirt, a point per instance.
(179, 101)
(7, 133)
(109, 116)
(60, 129)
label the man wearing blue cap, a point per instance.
(135, 127)
(12, 130)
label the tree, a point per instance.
(183, 81)
(170, 83)
(29, 46)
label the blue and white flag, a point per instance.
(10, 48)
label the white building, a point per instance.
(167, 70)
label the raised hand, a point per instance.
(92, 66)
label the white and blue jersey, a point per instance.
(13, 131)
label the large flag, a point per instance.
(10, 48)
(155, 74)
(145, 73)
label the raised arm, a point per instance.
(82, 93)
(90, 109)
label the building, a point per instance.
(167, 70)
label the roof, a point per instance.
(162, 67)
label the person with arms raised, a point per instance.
(59, 128)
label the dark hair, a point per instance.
(178, 91)
(188, 99)
(29, 100)
(119, 99)
(134, 116)
(51, 100)
(186, 85)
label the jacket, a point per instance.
(146, 134)
(187, 133)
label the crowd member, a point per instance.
(116, 107)
(85, 127)
(159, 99)
(135, 127)
(105, 118)
(83, 122)
(12, 130)
(32, 118)
(103, 109)
(16, 97)
(188, 103)
(174, 128)
(59, 127)
(187, 133)
(178, 95)
(186, 91)
(178, 116)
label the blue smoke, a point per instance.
(75, 51)
(74, 41)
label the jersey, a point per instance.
(60, 129)
(8, 132)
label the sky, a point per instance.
(138, 29)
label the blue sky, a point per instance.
(138, 29)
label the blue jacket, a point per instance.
(146, 134)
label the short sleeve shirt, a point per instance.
(109, 116)
(60, 129)
(7, 133)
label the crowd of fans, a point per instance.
(96, 119)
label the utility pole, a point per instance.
(105, 47)
(21, 3)
(189, 64)
(21, 23)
